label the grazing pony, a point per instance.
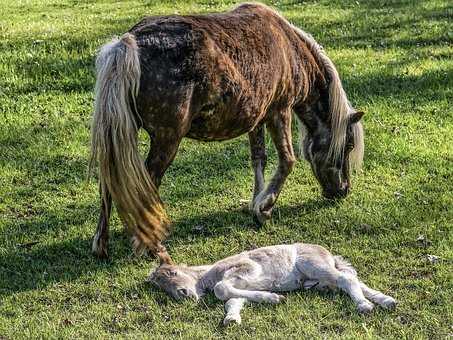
(257, 274)
(215, 77)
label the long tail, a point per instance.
(344, 266)
(114, 144)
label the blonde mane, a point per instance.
(339, 106)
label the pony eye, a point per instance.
(172, 273)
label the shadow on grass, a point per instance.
(34, 265)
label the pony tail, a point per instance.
(114, 144)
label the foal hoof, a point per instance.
(275, 298)
(389, 303)
(365, 307)
(231, 319)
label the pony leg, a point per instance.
(259, 158)
(100, 239)
(233, 310)
(162, 152)
(327, 275)
(279, 128)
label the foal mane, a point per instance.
(339, 106)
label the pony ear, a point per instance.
(355, 117)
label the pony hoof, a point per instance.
(260, 215)
(99, 248)
(100, 252)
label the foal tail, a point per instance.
(114, 144)
(344, 266)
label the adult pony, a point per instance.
(214, 77)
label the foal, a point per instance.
(258, 274)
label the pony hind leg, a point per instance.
(326, 275)
(163, 148)
(279, 128)
(259, 159)
(162, 152)
(100, 240)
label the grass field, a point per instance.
(395, 58)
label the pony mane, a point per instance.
(339, 106)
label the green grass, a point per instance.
(395, 58)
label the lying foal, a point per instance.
(254, 276)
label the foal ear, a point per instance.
(355, 117)
(151, 278)
(164, 258)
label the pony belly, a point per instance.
(219, 126)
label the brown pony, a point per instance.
(215, 77)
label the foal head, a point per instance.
(176, 281)
(332, 148)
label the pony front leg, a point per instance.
(259, 158)
(233, 310)
(280, 130)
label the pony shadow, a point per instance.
(223, 223)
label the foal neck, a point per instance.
(197, 272)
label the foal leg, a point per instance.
(378, 297)
(233, 310)
(259, 158)
(351, 285)
(327, 275)
(224, 291)
(100, 239)
(280, 130)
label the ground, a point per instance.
(395, 59)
